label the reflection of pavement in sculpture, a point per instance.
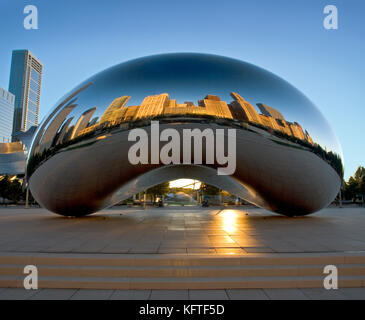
(288, 159)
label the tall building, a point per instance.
(25, 83)
(65, 129)
(269, 111)
(215, 107)
(6, 115)
(130, 113)
(297, 130)
(186, 108)
(82, 122)
(153, 106)
(268, 122)
(113, 115)
(283, 127)
(115, 112)
(50, 132)
(243, 110)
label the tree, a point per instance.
(359, 174)
(4, 187)
(15, 191)
(159, 190)
(11, 189)
(355, 185)
(362, 185)
(350, 189)
(210, 190)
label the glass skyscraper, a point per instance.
(25, 84)
(6, 115)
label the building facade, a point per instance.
(7, 100)
(12, 158)
(270, 112)
(243, 110)
(25, 83)
(153, 106)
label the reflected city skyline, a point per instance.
(162, 106)
(118, 115)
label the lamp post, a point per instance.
(26, 196)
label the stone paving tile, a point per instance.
(143, 250)
(232, 294)
(187, 227)
(90, 247)
(353, 293)
(285, 294)
(17, 294)
(115, 249)
(323, 294)
(87, 294)
(169, 295)
(208, 295)
(172, 250)
(170, 244)
(201, 251)
(130, 295)
(54, 294)
(247, 294)
(233, 251)
(257, 249)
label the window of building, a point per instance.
(34, 75)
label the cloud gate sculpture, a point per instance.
(286, 157)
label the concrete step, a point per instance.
(184, 271)
(160, 271)
(143, 260)
(183, 283)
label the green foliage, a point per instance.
(159, 190)
(11, 189)
(209, 190)
(355, 185)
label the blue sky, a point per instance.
(76, 39)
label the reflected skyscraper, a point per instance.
(51, 131)
(269, 111)
(215, 107)
(115, 110)
(82, 122)
(153, 106)
(161, 106)
(25, 83)
(242, 110)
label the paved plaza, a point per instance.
(182, 230)
(173, 252)
(244, 294)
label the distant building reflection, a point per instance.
(162, 106)
(65, 129)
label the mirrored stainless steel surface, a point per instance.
(288, 159)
